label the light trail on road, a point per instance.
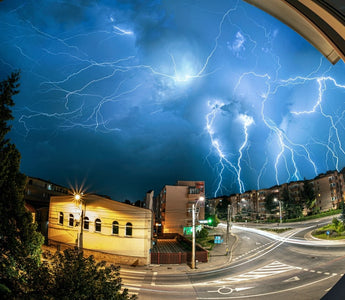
(285, 239)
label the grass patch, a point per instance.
(317, 216)
(332, 231)
(207, 243)
(324, 236)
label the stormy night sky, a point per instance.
(128, 96)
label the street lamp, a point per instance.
(193, 230)
(228, 223)
(280, 209)
(78, 199)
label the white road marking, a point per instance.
(295, 278)
(154, 279)
(271, 269)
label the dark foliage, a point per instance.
(20, 244)
(270, 204)
(292, 208)
(71, 275)
(308, 196)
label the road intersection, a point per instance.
(263, 265)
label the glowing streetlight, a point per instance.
(78, 199)
(280, 209)
(193, 230)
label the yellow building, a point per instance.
(122, 233)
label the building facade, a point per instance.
(37, 195)
(121, 231)
(175, 206)
(329, 192)
(38, 192)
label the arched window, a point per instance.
(128, 229)
(61, 218)
(71, 220)
(115, 227)
(98, 225)
(86, 223)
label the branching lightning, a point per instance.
(91, 91)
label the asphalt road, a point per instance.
(264, 266)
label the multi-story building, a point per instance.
(38, 192)
(245, 205)
(116, 231)
(37, 195)
(175, 203)
(329, 190)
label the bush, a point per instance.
(203, 233)
(70, 275)
(335, 222)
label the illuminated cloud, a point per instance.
(131, 95)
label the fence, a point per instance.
(174, 253)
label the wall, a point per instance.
(136, 246)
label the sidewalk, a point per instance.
(219, 256)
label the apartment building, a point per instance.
(38, 192)
(175, 206)
(329, 191)
(37, 196)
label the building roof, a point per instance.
(29, 207)
(320, 22)
(93, 200)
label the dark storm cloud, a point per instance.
(132, 95)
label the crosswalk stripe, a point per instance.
(268, 270)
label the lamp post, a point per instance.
(280, 209)
(78, 199)
(193, 230)
(228, 223)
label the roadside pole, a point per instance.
(228, 226)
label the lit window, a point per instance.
(86, 223)
(71, 220)
(128, 229)
(61, 218)
(115, 227)
(98, 225)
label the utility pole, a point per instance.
(280, 212)
(80, 244)
(228, 220)
(193, 229)
(193, 236)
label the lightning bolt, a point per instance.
(224, 160)
(247, 121)
(88, 87)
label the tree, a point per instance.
(342, 207)
(70, 275)
(20, 244)
(308, 195)
(270, 204)
(222, 208)
(292, 208)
